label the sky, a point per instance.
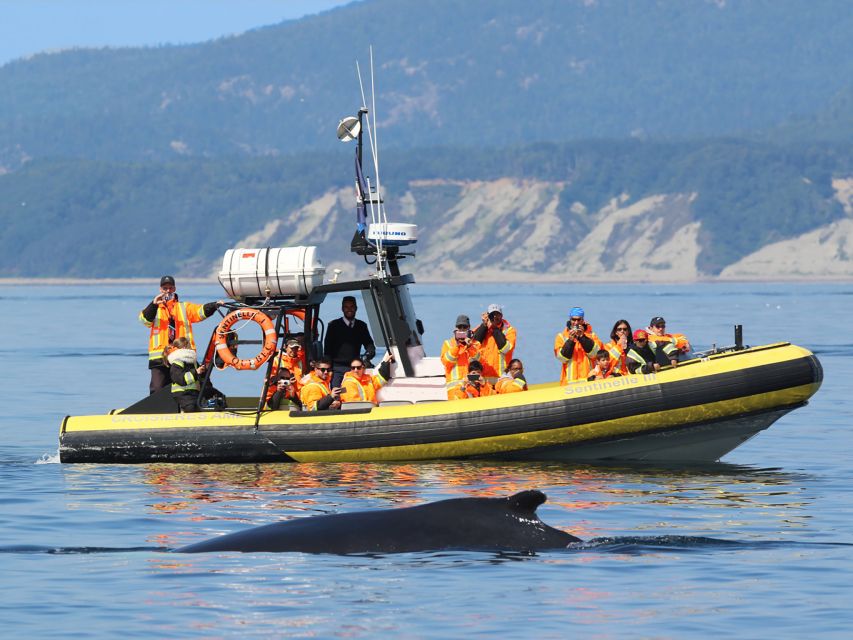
(31, 26)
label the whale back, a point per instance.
(485, 524)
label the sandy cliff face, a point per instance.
(517, 230)
(826, 252)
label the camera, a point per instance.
(285, 381)
(168, 296)
(494, 315)
(461, 334)
(473, 377)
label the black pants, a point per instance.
(159, 379)
(187, 401)
(338, 371)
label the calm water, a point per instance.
(756, 546)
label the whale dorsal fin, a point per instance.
(526, 501)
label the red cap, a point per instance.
(640, 334)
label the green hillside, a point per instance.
(480, 72)
(92, 219)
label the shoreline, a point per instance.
(510, 279)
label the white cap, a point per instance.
(495, 307)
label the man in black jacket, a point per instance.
(640, 355)
(344, 339)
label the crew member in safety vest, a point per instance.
(316, 395)
(360, 386)
(184, 372)
(458, 353)
(169, 319)
(575, 346)
(669, 345)
(605, 367)
(474, 385)
(497, 342)
(513, 380)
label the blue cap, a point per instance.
(576, 312)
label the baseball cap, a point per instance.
(576, 312)
(656, 320)
(167, 280)
(463, 319)
(293, 343)
(495, 307)
(640, 334)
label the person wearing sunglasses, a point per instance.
(458, 353)
(316, 393)
(620, 338)
(575, 346)
(361, 386)
(668, 345)
(641, 356)
(513, 379)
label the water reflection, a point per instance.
(323, 488)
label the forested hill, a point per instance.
(479, 72)
(606, 138)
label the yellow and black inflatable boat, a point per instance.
(696, 412)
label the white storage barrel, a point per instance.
(283, 271)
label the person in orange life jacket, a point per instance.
(169, 319)
(458, 353)
(184, 373)
(474, 386)
(345, 337)
(285, 389)
(513, 379)
(620, 338)
(669, 345)
(575, 346)
(604, 367)
(641, 356)
(291, 360)
(497, 342)
(360, 386)
(316, 395)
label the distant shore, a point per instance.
(510, 278)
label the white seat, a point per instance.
(351, 406)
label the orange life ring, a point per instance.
(224, 328)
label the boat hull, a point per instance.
(697, 412)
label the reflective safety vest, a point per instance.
(671, 343)
(508, 384)
(190, 379)
(361, 388)
(494, 360)
(468, 390)
(294, 365)
(182, 315)
(580, 364)
(313, 391)
(618, 357)
(456, 359)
